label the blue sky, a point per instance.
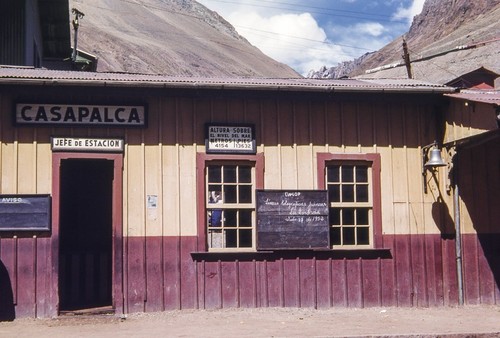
(307, 35)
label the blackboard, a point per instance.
(292, 219)
(25, 212)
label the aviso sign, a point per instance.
(292, 219)
(94, 115)
(230, 139)
(25, 212)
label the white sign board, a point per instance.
(87, 144)
(230, 139)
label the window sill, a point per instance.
(272, 255)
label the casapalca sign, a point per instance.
(36, 114)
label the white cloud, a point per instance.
(408, 13)
(370, 28)
(294, 39)
(361, 38)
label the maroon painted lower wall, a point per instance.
(25, 277)
(163, 274)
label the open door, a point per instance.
(85, 242)
(87, 200)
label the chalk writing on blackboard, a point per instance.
(295, 219)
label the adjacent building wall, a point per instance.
(465, 119)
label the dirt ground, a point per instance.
(480, 321)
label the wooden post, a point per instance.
(406, 57)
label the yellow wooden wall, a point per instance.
(161, 160)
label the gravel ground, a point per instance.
(480, 321)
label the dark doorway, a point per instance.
(85, 234)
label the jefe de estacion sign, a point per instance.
(29, 113)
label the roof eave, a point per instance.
(224, 86)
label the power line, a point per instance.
(306, 39)
(243, 27)
(323, 8)
(318, 10)
(164, 9)
(299, 47)
(434, 63)
(176, 12)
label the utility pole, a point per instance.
(78, 15)
(406, 57)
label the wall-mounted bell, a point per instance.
(435, 159)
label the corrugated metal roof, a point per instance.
(478, 95)
(57, 77)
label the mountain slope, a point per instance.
(438, 30)
(169, 37)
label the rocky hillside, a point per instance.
(433, 39)
(169, 37)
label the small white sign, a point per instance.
(230, 139)
(87, 144)
(152, 201)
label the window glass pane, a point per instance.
(361, 174)
(335, 236)
(231, 238)
(214, 194)
(361, 193)
(363, 236)
(348, 236)
(334, 216)
(362, 217)
(215, 239)
(229, 174)
(214, 174)
(348, 216)
(214, 218)
(332, 173)
(209, 218)
(245, 174)
(230, 218)
(334, 192)
(348, 193)
(245, 193)
(245, 218)
(229, 194)
(347, 173)
(246, 238)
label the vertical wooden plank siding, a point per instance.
(171, 277)
(246, 284)
(388, 274)
(371, 282)
(339, 283)
(229, 283)
(159, 272)
(291, 282)
(324, 283)
(188, 273)
(308, 277)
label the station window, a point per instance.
(353, 184)
(229, 220)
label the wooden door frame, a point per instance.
(117, 225)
